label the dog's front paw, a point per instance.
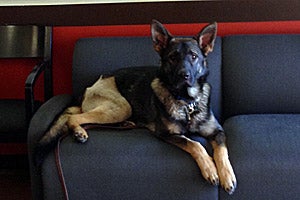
(228, 179)
(209, 170)
(80, 134)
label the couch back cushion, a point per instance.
(261, 74)
(95, 56)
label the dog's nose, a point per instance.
(185, 75)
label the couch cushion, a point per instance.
(126, 165)
(95, 56)
(261, 74)
(265, 154)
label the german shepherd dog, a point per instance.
(172, 103)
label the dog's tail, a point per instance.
(51, 137)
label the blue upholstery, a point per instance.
(96, 56)
(264, 150)
(126, 165)
(255, 92)
(40, 122)
(261, 74)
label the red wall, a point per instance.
(64, 38)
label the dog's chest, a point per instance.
(198, 110)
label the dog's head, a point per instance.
(183, 60)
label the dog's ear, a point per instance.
(160, 36)
(206, 38)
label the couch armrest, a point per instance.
(39, 124)
(29, 88)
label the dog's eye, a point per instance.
(194, 56)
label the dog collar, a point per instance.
(191, 108)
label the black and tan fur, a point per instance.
(172, 102)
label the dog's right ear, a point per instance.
(160, 36)
(206, 38)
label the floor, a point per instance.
(14, 178)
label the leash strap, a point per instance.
(59, 168)
(126, 125)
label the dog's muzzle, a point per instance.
(186, 77)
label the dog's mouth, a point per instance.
(184, 82)
(189, 82)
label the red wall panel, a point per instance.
(64, 39)
(13, 75)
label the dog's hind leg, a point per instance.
(102, 104)
(49, 140)
(108, 112)
(60, 126)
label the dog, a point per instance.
(172, 102)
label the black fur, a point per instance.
(183, 68)
(173, 101)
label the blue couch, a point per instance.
(256, 96)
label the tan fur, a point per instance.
(102, 104)
(172, 127)
(200, 155)
(225, 170)
(175, 108)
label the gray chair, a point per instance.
(23, 42)
(152, 168)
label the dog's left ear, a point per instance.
(206, 38)
(160, 36)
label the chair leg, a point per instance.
(48, 83)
